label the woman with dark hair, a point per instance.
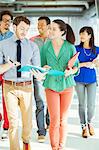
(59, 89)
(86, 79)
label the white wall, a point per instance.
(78, 22)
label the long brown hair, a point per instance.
(89, 30)
(67, 30)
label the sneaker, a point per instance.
(91, 130)
(41, 138)
(4, 134)
(84, 132)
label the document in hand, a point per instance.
(42, 70)
(30, 67)
(72, 61)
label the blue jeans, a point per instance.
(39, 97)
(86, 96)
(47, 118)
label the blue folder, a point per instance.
(30, 67)
(49, 72)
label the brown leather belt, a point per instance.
(18, 83)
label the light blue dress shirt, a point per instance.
(29, 55)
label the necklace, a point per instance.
(86, 52)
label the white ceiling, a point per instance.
(50, 7)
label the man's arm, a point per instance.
(7, 66)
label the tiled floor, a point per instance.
(74, 139)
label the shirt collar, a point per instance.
(39, 36)
(6, 33)
(15, 39)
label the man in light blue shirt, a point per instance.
(18, 89)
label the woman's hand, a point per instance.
(38, 75)
(87, 65)
(90, 65)
(96, 62)
(68, 72)
(47, 67)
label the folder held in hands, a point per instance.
(72, 61)
(30, 67)
(42, 70)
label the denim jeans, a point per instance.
(47, 118)
(39, 98)
(86, 96)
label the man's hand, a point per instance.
(13, 63)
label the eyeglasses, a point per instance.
(5, 20)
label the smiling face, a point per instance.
(21, 30)
(55, 32)
(6, 22)
(85, 37)
(43, 27)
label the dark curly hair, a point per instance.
(2, 13)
